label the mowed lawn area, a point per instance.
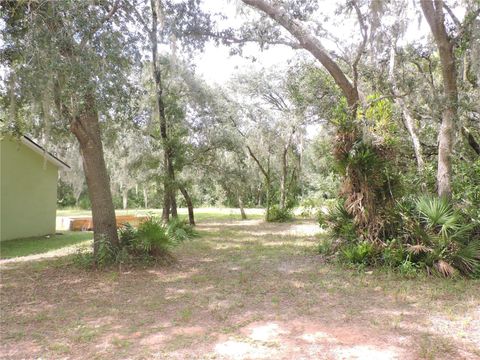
(200, 213)
(42, 244)
(242, 290)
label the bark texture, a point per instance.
(86, 128)
(433, 11)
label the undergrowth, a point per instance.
(422, 234)
(278, 214)
(150, 243)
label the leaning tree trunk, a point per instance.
(188, 200)
(471, 140)
(86, 128)
(409, 123)
(433, 11)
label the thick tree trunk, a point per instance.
(433, 11)
(445, 148)
(188, 200)
(86, 128)
(166, 207)
(242, 210)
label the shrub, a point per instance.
(149, 243)
(339, 222)
(127, 234)
(437, 236)
(179, 230)
(152, 237)
(426, 233)
(278, 214)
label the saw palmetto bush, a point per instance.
(179, 230)
(339, 222)
(149, 243)
(438, 237)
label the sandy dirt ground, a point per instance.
(243, 290)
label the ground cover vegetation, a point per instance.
(375, 132)
(242, 290)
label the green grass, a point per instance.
(200, 214)
(41, 244)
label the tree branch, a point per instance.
(310, 43)
(361, 48)
(106, 18)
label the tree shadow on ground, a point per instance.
(251, 300)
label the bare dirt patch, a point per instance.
(244, 290)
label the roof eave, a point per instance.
(40, 150)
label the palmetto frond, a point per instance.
(445, 268)
(418, 249)
(467, 258)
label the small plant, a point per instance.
(408, 268)
(359, 254)
(393, 254)
(278, 214)
(326, 247)
(127, 234)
